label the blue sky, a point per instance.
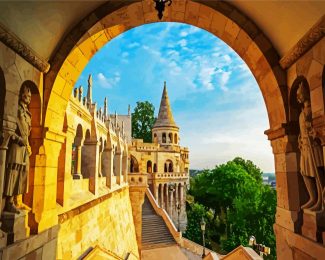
(214, 97)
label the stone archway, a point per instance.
(219, 18)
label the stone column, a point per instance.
(161, 204)
(77, 174)
(176, 203)
(118, 167)
(137, 198)
(92, 160)
(170, 203)
(44, 209)
(289, 187)
(64, 179)
(166, 202)
(100, 155)
(108, 166)
(156, 191)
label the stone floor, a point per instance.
(171, 253)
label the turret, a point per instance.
(165, 131)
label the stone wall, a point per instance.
(108, 224)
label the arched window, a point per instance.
(155, 138)
(169, 166)
(164, 138)
(154, 167)
(170, 138)
(134, 166)
(165, 167)
(149, 166)
(175, 139)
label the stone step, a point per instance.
(154, 230)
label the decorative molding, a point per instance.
(18, 46)
(304, 44)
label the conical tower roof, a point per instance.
(165, 116)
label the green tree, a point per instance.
(250, 168)
(241, 203)
(143, 120)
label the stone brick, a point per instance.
(192, 13)
(218, 24)
(314, 74)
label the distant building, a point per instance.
(165, 162)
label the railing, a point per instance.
(169, 223)
(170, 175)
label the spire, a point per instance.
(165, 116)
(90, 91)
(105, 108)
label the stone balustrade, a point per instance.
(170, 175)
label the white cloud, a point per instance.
(133, 45)
(182, 43)
(105, 82)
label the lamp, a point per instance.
(262, 249)
(178, 213)
(160, 6)
(202, 223)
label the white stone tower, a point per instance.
(165, 131)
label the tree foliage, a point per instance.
(143, 120)
(241, 204)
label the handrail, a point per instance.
(169, 223)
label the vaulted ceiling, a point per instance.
(42, 25)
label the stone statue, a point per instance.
(17, 159)
(311, 159)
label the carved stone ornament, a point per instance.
(17, 158)
(316, 33)
(311, 158)
(14, 43)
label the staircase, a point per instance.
(154, 230)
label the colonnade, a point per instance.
(170, 196)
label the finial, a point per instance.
(105, 107)
(90, 80)
(89, 92)
(129, 110)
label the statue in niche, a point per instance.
(311, 159)
(17, 159)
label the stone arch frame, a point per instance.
(113, 18)
(220, 18)
(149, 166)
(134, 165)
(170, 138)
(169, 165)
(163, 138)
(294, 107)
